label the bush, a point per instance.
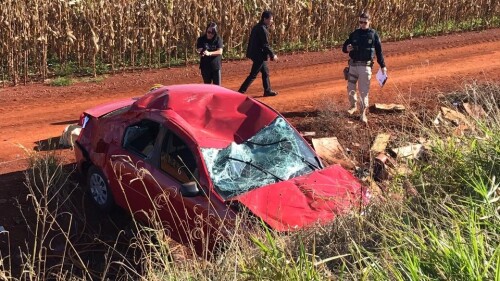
(61, 81)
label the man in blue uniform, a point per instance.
(259, 51)
(363, 44)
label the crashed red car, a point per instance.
(196, 153)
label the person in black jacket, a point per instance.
(259, 51)
(362, 46)
(209, 46)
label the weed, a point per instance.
(61, 82)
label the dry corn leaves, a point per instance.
(150, 33)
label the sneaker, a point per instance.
(352, 110)
(270, 94)
(363, 118)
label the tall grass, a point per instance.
(43, 37)
(448, 230)
(65, 243)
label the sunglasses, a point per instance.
(210, 32)
(363, 22)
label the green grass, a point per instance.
(448, 230)
(61, 82)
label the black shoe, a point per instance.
(270, 94)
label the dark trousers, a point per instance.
(211, 76)
(257, 66)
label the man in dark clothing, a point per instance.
(362, 46)
(209, 46)
(259, 51)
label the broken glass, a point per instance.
(276, 153)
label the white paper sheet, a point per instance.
(381, 77)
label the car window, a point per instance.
(140, 138)
(176, 158)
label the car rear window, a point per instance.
(140, 138)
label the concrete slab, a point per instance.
(392, 107)
(410, 151)
(454, 116)
(380, 143)
(332, 152)
(475, 110)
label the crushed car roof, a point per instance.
(213, 115)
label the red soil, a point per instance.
(418, 70)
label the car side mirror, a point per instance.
(190, 189)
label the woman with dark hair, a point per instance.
(209, 46)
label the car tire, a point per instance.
(98, 189)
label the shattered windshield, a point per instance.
(276, 153)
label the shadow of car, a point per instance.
(189, 155)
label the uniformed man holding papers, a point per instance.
(363, 44)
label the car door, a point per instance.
(152, 179)
(151, 166)
(130, 166)
(178, 165)
(194, 220)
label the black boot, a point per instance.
(270, 94)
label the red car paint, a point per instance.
(303, 201)
(202, 116)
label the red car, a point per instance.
(193, 155)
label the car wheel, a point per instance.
(98, 189)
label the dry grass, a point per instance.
(38, 36)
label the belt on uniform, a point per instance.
(360, 62)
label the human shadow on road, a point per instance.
(67, 122)
(292, 114)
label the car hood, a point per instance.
(303, 201)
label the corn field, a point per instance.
(42, 38)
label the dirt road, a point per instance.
(418, 69)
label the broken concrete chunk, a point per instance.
(380, 169)
(70, 135)
(455, 117)
(438, 120)
(386, 159)
(332, 152)
(308, 135)
(474, 110)
(389, 107)
(380, 143)
(383, 165)
(410, 152)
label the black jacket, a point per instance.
(258, 43)
(366, 44)
(213, 62)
